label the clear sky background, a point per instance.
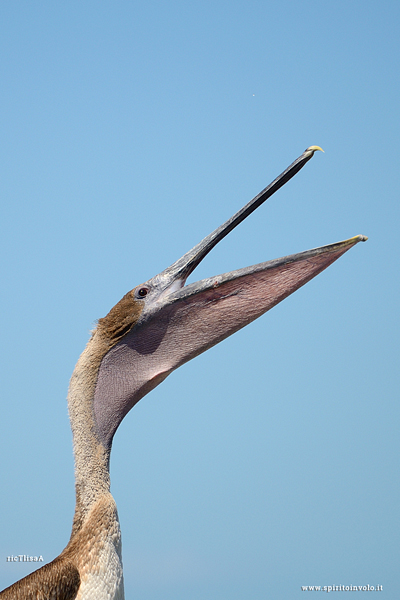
(129, 131)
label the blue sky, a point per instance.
(130, 131)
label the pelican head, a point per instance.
(162, 323)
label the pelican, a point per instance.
(156, 327)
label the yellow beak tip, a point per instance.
(314, 148)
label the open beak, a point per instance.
(178, 322)
(166, 287)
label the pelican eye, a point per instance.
(142, 292)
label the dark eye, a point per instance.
(142, 292)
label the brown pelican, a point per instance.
(155, 328)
